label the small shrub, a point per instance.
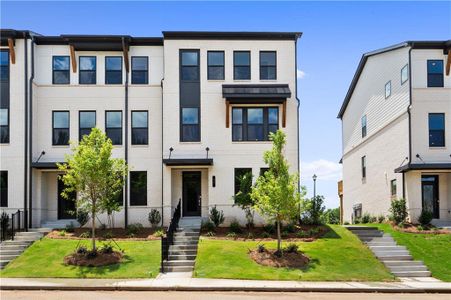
(357, 220)
(301, 234)
(62, 233)
(250, 236)
(313, 231)
(290, 228)
(106, 249)
(346, 223)
(134, 228)
(82, 217)
(269, 228)
(235, 227)
(420, 228)
(398, 209)
(85, 235)
(261, 248)
(285, 233)
(210, 233)
(131, 235)
(70, 227)
(158, 233)
(265, 235)
(81, 250)
(291, 248)
(208, 226)
(381, 219)
(154, 218)
(366, 218)
(216, 216)
(232, 235)
(102, 226)
(91, 254)
(425, 217)
(373, 219)
(108, 235)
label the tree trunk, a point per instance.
(93, 230)
(279, 238)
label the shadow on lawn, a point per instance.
(84, 272)
(330, 234)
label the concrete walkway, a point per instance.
(200, 284)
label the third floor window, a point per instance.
(113, 70)
(61, 70)
(242, 65)
(215, 65)
(88, 66)
(268, 65)
(140, 70)
(435, 73)
(437, 130)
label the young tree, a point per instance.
(275, 193)
(243, 198)
(93, 174)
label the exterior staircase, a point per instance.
(182, 254)
(395, 257)
(10, 249)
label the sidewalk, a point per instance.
(201, 284)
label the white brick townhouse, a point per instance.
(396, 131)
(188, 111)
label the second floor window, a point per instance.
(140, 130)
(113, 70)
(4, 125)
(215, 65)
(387, 89)
(113, 126)
(436, 130)
(140, 70)
(254, 123)
(88, 66)
(242, 65)
(363, 162)
(60, 128)
(268, 65)
(364, 126)
(190, 130)
(435, 73)
(61, 70)
(87, 121)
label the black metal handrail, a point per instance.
(4, 226)
(16, 223)
(168, 240)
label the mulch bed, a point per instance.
(117, 233)
(410, 228)
(258, 233)
(287, 260)
(102, 259)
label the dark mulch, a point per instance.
(411, 228)
(101, 234)
(102, 259)
(287, 260)
(258, 233)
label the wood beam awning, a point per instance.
(12, 51)
(73, 59)
(256, 94)
(448, 63)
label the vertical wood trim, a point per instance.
(284, 113)
(126, 61)
(12, 52)
(227, 113)
(72, 58)
(448, 63)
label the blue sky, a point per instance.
(336, 34)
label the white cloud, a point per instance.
(300, 74)
(324, 169)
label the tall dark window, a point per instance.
(190, 65)
(140, 128)
(254, 123)
(393, 188)
(88, 67)
(87, 121)
(215, 65)
(4, 101)
(138, 188)
(61, 70)
(113, 126)
(242, 65)
(268, 65)
(60, 128)
(363, 167)
(435, 73)
(363, 126)
(4, 188)
(190, 124)
(140, 70)
(239, 173)
(113, 70)
(437, 130)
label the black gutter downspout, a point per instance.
(410, 121)
(30, 147)
(162, 145)
(126, 140)
(297, 115)
(25, 187)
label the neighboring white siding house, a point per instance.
(385, 120)
(150, 95)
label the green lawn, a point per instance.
(45, 259)
(338, 256)
(433, 249)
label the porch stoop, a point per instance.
(395, 257)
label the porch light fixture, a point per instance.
(42, 153)
(207, 149)
(170, 152)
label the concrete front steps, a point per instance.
(182, 254)
(60, 224)
(395, 257)
(11, 249)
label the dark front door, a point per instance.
(66, 207)
(191, 193)
(429, 191)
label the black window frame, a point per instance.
(121, 71)
(184, 139)
(364, 125)
(406, 67)
(268, 66)
(60, 71)
(107, 129)
(393, 188)
(5, 100)
(5, 128)
(239, 172)
(248, 66)
(54, 143)
(138, 129)
(81, 129)
(385, 89)
(146, 72)
(442, 131)
(4, 188)
(142, 197)
(245, 126)
(215, 66)
(442, 82)
(182, 66)
(363, 166)
(80, 71)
